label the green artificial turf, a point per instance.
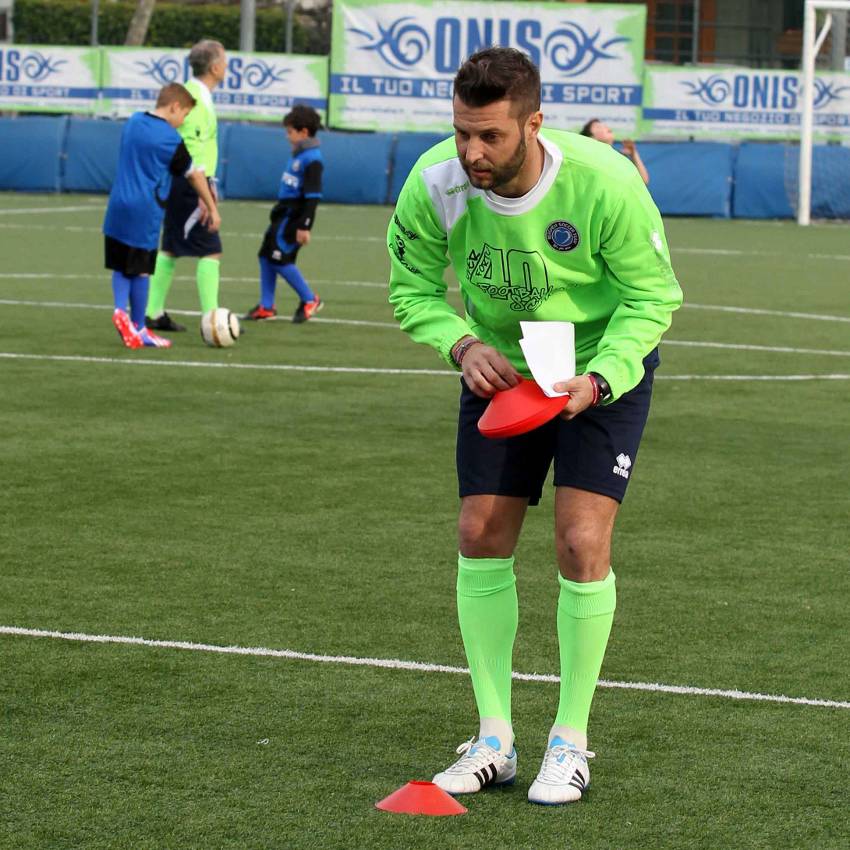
(177, 496)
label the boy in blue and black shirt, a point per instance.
(292, 218)
(151, 153)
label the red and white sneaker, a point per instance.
(151, 340)
(129, 335)
(255, 314)
(307, 309)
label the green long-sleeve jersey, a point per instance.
(200, 129)
(585, 245)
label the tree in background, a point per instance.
(138, 29)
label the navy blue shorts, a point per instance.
(182, 203)
(596, 451)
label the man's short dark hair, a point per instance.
(204, 55)
(498, 73)
(303, 117)
(587, 130)
(175, 93)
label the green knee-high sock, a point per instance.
(207, 276)
(585, 614)
(160, 284)
(488, 613)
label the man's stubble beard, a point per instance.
(503, 174)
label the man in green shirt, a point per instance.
(184, 234)
(539, 226)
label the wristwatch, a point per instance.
(603, 392)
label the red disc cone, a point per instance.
(519, 410)
(421, 798)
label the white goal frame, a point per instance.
(812, 43)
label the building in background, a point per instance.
(752, 33)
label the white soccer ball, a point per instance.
(220, 328)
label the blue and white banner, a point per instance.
(748, 102)
(258, 86)
(49, 79)
(392, 63)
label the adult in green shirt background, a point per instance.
(538, 225)
(184, 235)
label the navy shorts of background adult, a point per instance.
(182, 204)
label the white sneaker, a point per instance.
(564, 775)
(480, 765)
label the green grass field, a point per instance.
(301, 497)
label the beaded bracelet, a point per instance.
(458, 355)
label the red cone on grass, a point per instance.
(421, 798)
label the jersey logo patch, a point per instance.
(562, 236)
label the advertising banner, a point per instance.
(392, 63)
(49, 79)
(258, 86)
(746, 102)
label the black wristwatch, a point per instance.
(605, 394)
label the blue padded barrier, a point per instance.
(253, 159)
(54, 153)
(31, 159)
(766, 181)
(409, 147)
(91, 154)
(760, 177)
(356, 167)
(355, 164)
(685, 179)
(830, 181)
(690, 178)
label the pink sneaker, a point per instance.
(129, 335)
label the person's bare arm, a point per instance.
(631, 151)
(198, 181)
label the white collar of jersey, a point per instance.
(552, 159)
(206, 94)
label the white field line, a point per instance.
(43, 210)
(130, 360)
(829, 377)
(83, 306)
(341, 237)
(100, 276)
(755, 311)
(774, 349)
(199, 364)
(740, 252)
(374, 284)
(399, 664)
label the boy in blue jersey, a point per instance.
(292, 218)
(151, 152)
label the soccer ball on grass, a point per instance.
(219, 328)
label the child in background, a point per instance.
(292, 218)
(151, 151)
